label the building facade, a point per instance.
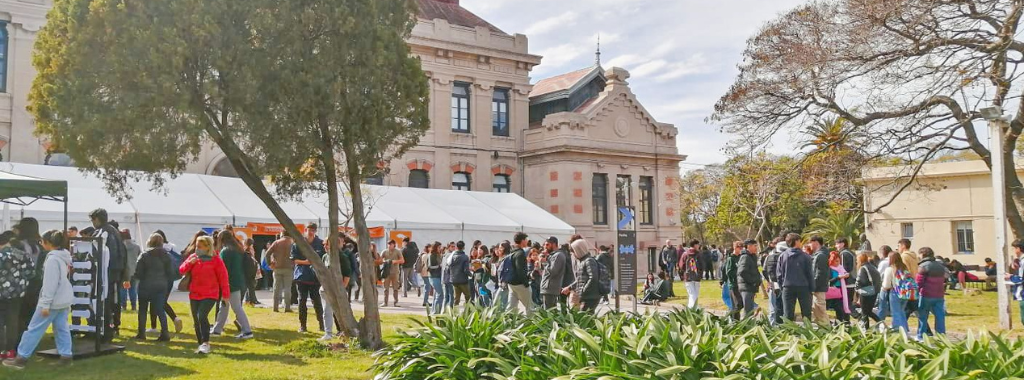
(949, 207)
(579, 145)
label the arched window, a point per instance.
(224, 169)
(419, 178)
(375, 179)
(502, 183)
(461, 181)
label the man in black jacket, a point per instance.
(605, 258)
(460, 272)
(771, 263)
(822, 274)
(748, 277)
(117, 269)
(410, 252)
(668, 259)
(520, 292)
(795, 276)
(849, 261)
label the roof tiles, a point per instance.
(451, 11)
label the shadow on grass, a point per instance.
(114, 366)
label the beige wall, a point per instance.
(23, 20)
(944, 194)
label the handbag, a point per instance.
(867, 291)
(185, 282)
(833, 293)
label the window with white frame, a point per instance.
(460, 107)
(907, 231)
(460, 181)
(501, 184)
(964, 236)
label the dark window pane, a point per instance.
(419, 179)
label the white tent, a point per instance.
(191, 202)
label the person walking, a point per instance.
(176, 260)
(902, 288)
(153, 273)
(16, 268)
(587, 276)
(604, 256)
(728, 280)
(748, 277)
(690, 271)
(868, 285)
(410, 252)
(393, 262)
(251, 267)
(233, 257)
(796, 278)
(771, 265)
(668, 259)
(554, 272)
(910, 259)
(54, 305)
(517, 278)
(849, 262)
(117, 268)
(208, 284)
(931, 280)
(130, 295)
(434, 269)
(836, 293)
(460, 273)
(1017, 279)
(283, 271)
(27, 232)
(883, 295)
(501, 260)
(422, 269)
(822, 275)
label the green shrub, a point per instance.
(488, 344)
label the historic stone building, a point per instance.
(569, 143)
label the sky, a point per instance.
(681, 54)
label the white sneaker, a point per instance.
(152, 331)
(326, 337)
(204, 348)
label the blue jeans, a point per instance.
(899, 317)
(449, 295)
(37, 327)
(928, 306)
(883, 305)
(501, 297)
(775, 301)
(426, 290)
(132, 292)
(435, 283)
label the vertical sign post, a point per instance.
(626, 252)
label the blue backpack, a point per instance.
(175, 262)
(507, 273)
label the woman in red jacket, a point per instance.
(209, 284)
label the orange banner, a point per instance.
(270, 228)
(399, 237)
(375, 232)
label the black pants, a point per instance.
(295, 293)
(167, 308)
(250, 293)
(589, 305)
(307, 291)
(152, 301)
(10, 318)
(737, 302)
(28, 307)
(112, 311)
(793, 294)
(550, 301)
(867, 309)
(839, 308)
(201, 315)
(460, 291)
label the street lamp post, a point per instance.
(997, 125)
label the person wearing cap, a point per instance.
(554, 273)
(133, 251)
(394, 258)
(748, 277)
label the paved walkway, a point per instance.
(414, 305)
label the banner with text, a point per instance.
(626, 250)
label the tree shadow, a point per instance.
(113, 366)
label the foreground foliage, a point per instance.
(678, 345)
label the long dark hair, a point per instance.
(28, 230)
(227, 240)
(55, 238)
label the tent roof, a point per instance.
(244, 205)
(409, 210)
(533, 218)
(14, 187)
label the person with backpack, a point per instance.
(902, 289)
(16, 268)
(54, 306)
(869, 284)
(410, 252)
(771, 264)
(689, 269)
(604, 256)
(669, 259)
(849, 262)
(176, 260)
(133, 250)
(252, 271)
(515, 274)
(153, 274)
(554, 271)
(931, 280)
(716, 260)
(748, 277)
(588, 277)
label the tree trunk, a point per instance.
(370, 333)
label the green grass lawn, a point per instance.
(272, 354)
(971, 312)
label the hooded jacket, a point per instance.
(748, 278)
(56, 292)
(154, 271)
(794, 269)
(771, 263)
(821, 270)
(209, 278)
(931, 278)
(554, 273)
(587, 276)
(459, 268)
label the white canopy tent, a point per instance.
(191, 202)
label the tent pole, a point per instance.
(65, 214)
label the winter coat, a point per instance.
(690, 274)
(586, 284)
(209, 278)
(729, 270)
(554, 273)
(771, 263)
(234, 262)
(794, 269)
(605, 258)
(56, 292)
(154, 271)
(822, 273)
(459, 268)
(931, 278)
(133, 251)
(748, 277)
(409, 253)
(868, 275)
(434, 265)
(519, 271)
(16, 270)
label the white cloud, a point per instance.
(696, 64)
(549, 24)
(648, 68)
(557, 56)
(626, 60)
(663, 49)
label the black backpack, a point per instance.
(602, 278)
